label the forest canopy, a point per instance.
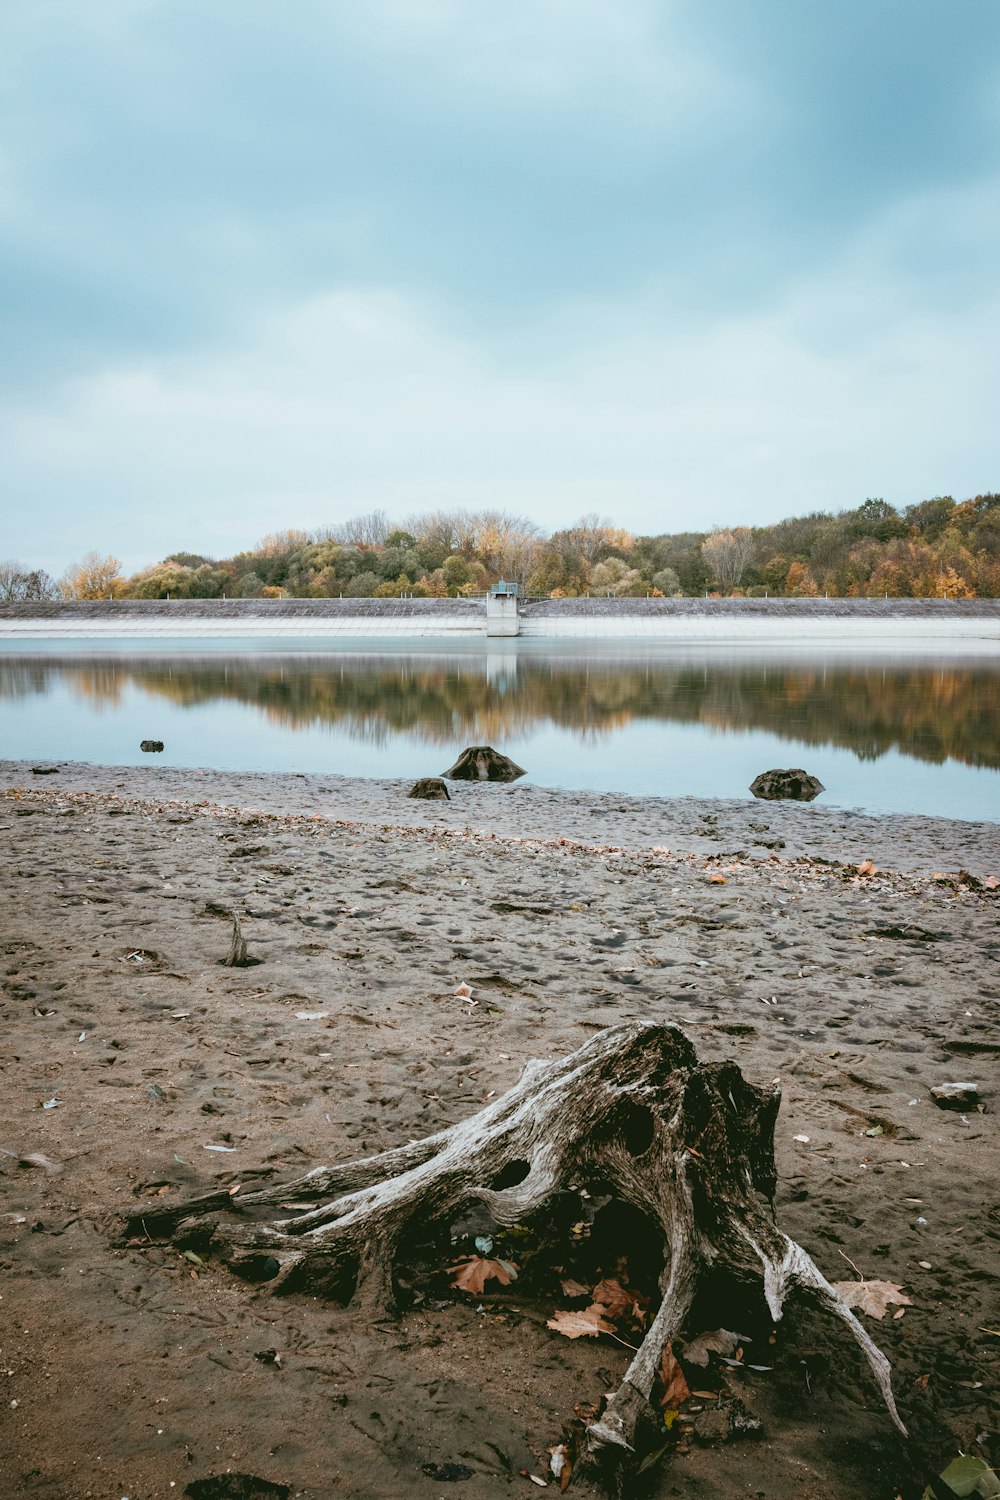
(933, 549)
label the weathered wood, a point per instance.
(237, 955)
(689, 1144)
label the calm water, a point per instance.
(891, 734)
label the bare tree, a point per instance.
(369, 530)
(11, 579)
(727, 552)
(39, 585)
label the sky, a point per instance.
(681, 264)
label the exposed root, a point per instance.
(688, 1144)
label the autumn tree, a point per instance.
(95, 576)
(727, 553)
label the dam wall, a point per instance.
(788, 622)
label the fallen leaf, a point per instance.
(716, 880)
(586, 1324)
(675, 1389)
(573, 1288)
(464, 991)
(867, 867)
(620, 1301)
(920, 1384)
(719, 1341)
(472, 1272)
(872, 1297)
(965, 1476)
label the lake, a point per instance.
(883, 733)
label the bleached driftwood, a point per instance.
(689, 1144)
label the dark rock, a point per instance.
(712, 1426)
(45, 770)
(956, 1095)
(483, 763)
(909, 933)
(151, 745)
(431, 788)
(237, 1487)
(799, 786)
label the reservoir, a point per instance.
(884, 732)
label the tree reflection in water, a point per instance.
(932, 711)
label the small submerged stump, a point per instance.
(431, 789)
(791, 785)
(483, 763)
(625, 1109)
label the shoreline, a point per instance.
(715, 827)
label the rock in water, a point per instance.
(431, 788)
(772, 786)
(483, 763)
(151, 745)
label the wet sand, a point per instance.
(135, 1371)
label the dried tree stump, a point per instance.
(688, 1144)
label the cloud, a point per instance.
(363, 397)
(677, 261)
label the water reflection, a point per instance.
(931, 711)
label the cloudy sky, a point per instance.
(674, 261)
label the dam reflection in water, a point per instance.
(888, 734)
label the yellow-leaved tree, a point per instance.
(95, 576)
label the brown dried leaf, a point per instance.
(573, 1288)
(472, 1272)
(464, 991)
(674, 1388)
(621, 1302)
(872, 1297)
(586, 1324)
(719, 1341)
(867, 867)
(716, 879)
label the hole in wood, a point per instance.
(636, 1128)
(513, 1173)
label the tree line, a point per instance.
(935, 548)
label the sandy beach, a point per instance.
(129, 1370)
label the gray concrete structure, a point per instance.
(808, 622)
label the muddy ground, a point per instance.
(128, 1370)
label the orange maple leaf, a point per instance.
(472, 1272)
